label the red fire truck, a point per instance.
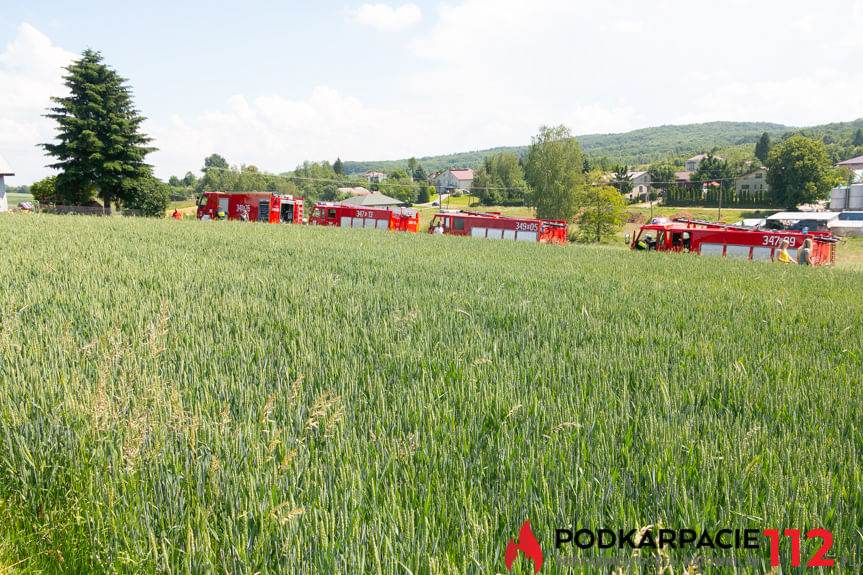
(346, 216)
(495, 226)
(730, 241)
(251, 206)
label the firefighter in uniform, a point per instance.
(646, 244)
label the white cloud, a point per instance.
(276, 134)
(799, 100)
(488, 73)
(627, 27)
(805, 23)
(31, 70)
(594, 118)
(385, 17)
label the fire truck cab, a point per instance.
(251, 206)
(730, 241)
(395, 219)
(493, 225)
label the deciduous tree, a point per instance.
(713, 169)
(149, 196)
(554, 171)
(45, 190)
(622, 179)
(662, 176)
(798, 171)
(602, 213)
(214, 161)
(419, 174)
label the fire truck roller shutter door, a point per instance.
(263, 210)
(287, 213)
(526, 237)
(345, 222)
(477, 232)
(369, 223)
(223, 205)
(494, 234)
(382, 224)
(737, 252)
(509, 234)
(712, 249)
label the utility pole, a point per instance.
(719, 216)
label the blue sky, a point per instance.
(276, 83)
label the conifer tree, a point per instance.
(99, 147)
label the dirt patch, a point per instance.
(635, 218)
(689, 215)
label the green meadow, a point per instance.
(188, 397)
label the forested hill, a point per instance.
(654, 144)
(642, 147)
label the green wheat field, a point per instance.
(188, 397)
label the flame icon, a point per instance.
(528, 545)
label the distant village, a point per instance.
(458, 181)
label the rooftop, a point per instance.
(373, 199)
(852, 161)
(700, 157)
(463, 174)
(5, 170)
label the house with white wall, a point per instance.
(452, 180)
(5, 170)
(371, 177)
(640, 186)
(752, 182)
(855, 166)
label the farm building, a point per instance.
(5, 170)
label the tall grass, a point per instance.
(192, 397)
